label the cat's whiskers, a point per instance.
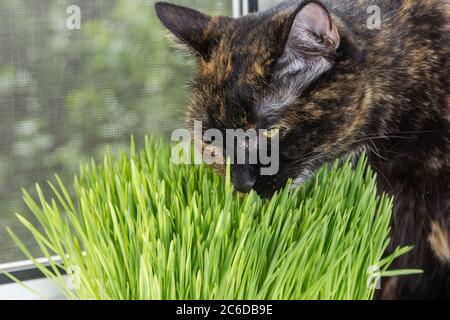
(315, 163)
(393, 135)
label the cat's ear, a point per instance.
(310, 42)
(187, 25)
(312, 28)
(315, 18)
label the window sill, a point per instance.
(30, 276)
(46, 289)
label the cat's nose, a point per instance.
(243, 178)
(245, 185)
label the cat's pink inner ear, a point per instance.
(315, 17)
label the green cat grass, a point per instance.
(140, 227)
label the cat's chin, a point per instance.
(267, 186)
(308, 172)
(303, 177)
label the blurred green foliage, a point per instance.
(67, 95)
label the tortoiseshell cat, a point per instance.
(314, 70)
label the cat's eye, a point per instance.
(209, 140)
(271, 133)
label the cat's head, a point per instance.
(271, 70)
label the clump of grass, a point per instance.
(143, 228)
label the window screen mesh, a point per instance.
(65, 95)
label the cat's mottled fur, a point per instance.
(315, 71)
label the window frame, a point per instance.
(244, 7)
